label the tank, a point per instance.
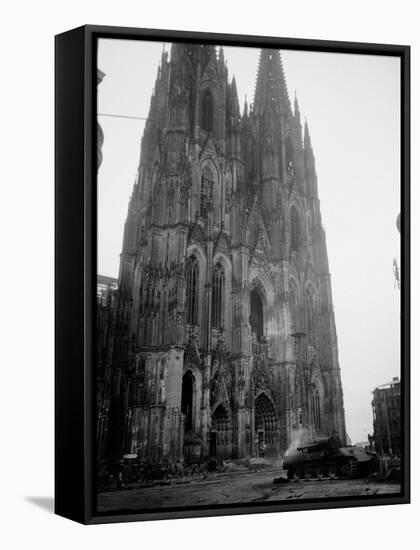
(326, 457)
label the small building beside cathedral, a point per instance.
(222, 342)
(386, 409)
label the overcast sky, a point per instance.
(352, 106)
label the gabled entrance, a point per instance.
(266, 427)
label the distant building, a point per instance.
(386, 407)
(106, 289)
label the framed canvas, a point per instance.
(232, 274)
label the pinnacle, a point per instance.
(306, 136)
(271, 88)
(245, 107)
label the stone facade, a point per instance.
(224, 258)
(386, 409)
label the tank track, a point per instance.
(350, 469)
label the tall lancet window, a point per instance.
(217, 296)
(289, 157)
(295, 231)
(316, 409)
(256, 318)
(294, 312)
(310, 317)
(191, 276)
(250, 158)
(207, 111)
(206, 189)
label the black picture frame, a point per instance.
(75, 268)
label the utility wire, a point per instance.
(124, 116)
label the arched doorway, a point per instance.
(256, 317)
(187, 401)
(221, 434)
(266, 429)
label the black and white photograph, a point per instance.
(248, 276)
(210, 266)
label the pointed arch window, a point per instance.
(191, 276)
(256, 317)
(218, 291)
(295, 229)
(187, 400)
(316, 409)
(310, 317)
(207, 111)
(289, 157)
(251, 158)
(294, 312)
(205, 189)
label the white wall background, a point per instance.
(26, 219)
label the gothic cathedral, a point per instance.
(224, 341)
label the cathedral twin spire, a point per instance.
(271, 92)
(271, 89)
(272, 105)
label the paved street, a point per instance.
(237, 488)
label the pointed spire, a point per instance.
(234, 83)
(222, 63)
(271, 88)
(310, 171)
(235, 101)
(221, 55)
(306, 137)
(211, 51)
(164, 56)
(297, 111)
(245, 107)
(297, 119)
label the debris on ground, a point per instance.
(295, 495)
(280, 480)
(393, 474)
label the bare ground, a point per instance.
(235, 489)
